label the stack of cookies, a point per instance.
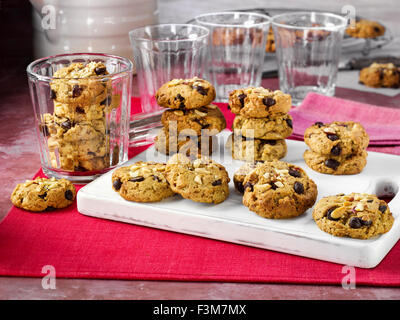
(76, 131)
(336, 148)
(261, 124)
(191, 120)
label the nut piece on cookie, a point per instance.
(278, 190)
(356, 215)
(242, 172)
(185, 94)
(201, 180)
(142, 182)
(43, 194)
(259, 102)
(380, 75)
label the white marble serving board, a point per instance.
(233, 222)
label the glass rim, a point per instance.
(29, 68)
(292, 14)
(223, 13)
(132, 37)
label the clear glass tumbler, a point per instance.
(81, 104)
(162, 53)
(236, 49)
(308, 47)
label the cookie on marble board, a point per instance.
(356, 215)
(366, 29)
(201, 180)
(194, 121)
(142, 182)
(185, 93)
(337, 138)
(278, 190)
(274, 127)
(248, 149)
(341, 165)
(380, 75)
(258, 102)
(43, 194)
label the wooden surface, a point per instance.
(20, 160)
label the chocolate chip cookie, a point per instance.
(185, 94)
(259, 102)
(278, 190)
(336, 138)
(356, 215)
(185, 144)
(366, 29)
(242, 172)
(193, 121)
(341, 165)
(380, 75)
(248, 149)
(201, 180)
(43, 194)
(274, 127)
(142, 182)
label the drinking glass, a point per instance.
(82, 124)
(308, 47)
(236, 49)
(162, 53)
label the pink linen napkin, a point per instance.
(382, 124)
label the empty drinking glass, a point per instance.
(162, 53)
(236, 49)
(308, 47)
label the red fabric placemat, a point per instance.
(79, 246)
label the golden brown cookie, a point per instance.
(43, 194)
(259, 102)
(185, 94)
(274, 127)
(380, 75)
(366, 29)
(278, 190)
(356, 215)
(201, 180)
(247, 149)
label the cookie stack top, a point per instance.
(261, 123)
(336, 148)
(190, 116)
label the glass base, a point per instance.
(74, 177)
(299, 93)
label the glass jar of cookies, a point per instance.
(81, 105)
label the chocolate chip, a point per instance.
(100, 70)
(42, 195)
(289, 123)
(319, 124)
(248, 185)
(332, 137)
(91, 153)
(76, 91)
(370, 200)
(273, 186)
(298, 187)
(382, 208)
(179, 97)
(53, 94)
(45, 130)
(355, 223)
(376, 29)
(136, 179)
(205, 126)
(239, 186)
(336, 150)
(79, 110)
(268, 102)
(106, 101)
(331, 163)
(156, 178)
(117, 184)
(68, 195)
(66, 125)
(216, 183)
(294, 173)
(203, 91)
(328, 214)
(241, 98)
